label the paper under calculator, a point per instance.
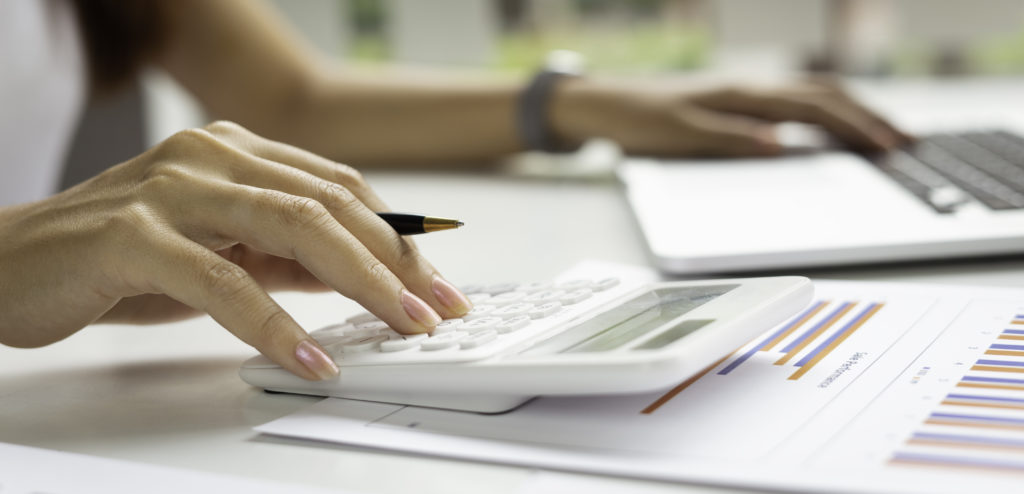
(521, 340)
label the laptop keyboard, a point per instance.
(947, 171)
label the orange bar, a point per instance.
(984, 405)
(835, 343)
(937, 442)
(796, 325)
(932, 464)
(1011, 353)
(1017, 321)
(1013, 387)
(824, 327)
(994, 368)
(975, 424)
(1011, 337)
(665, 398)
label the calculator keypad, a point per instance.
(504, 314)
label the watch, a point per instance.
(534, 102)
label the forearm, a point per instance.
(400, 121)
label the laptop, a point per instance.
(954, 194)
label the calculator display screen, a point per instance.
(632, 319)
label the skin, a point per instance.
(138, 243)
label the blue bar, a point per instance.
(978, 418)
(985, 398)
(959, 460)
(997, 441)
(1013, 331)
(793, 344)
(1001, 362)
(998, 346)
(1002, 380)
(837, 334)
(750, 353)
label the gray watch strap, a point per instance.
(533, 122)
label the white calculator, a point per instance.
(522, 340)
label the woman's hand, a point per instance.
(209, 218)
(726, 121)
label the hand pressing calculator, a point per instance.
(522, 340)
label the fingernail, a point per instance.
(315, 360)
(449, 296)
(418, 310)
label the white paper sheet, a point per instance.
(26, 470)
(876, 387)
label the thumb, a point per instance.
(725, 135)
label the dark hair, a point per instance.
(120, 36)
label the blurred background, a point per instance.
(748, 40)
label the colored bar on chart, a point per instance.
(965, 441)
(903, 458)
(998, 366)
(812, 334)
(991, 383)
(777, 336)
(665, 398)
(833, 342)
(1013, 331)
(957, 399)
(788, 329)
(1006, 350)
(984, 421)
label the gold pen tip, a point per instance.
(432, 224)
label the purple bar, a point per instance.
(750, 353)
(959, 460)
(1002, 380)
(1009, 363)
(962, 439)
(864, 313)
(793, 344)
(1013, 331)
(985, 398)
(1006, 347)
(978, 418)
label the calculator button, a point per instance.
(361, 318)
(403, 342)
(574, 285)
(479, 298)
(576, 296)
(512, 310)
(478, 312)
(447, 326)
(478, 339)
(500, 288)
(513, 324)
(363, 345)
(544, 296)
(325, 339)
(333, 328)
(545, 310)
(506, 298)
(442, 341)
(481, 324)
(535, 286)
(602, 285)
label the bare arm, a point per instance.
(245, 64)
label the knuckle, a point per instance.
(225, 127)
(225, 281)
(348, 176)
(301, 212)
(195, 136)
(267, 333)
(377, 272)
(336, 197)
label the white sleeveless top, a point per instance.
(42, 91)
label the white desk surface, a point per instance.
(170, 395)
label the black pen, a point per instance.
(413, 224)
